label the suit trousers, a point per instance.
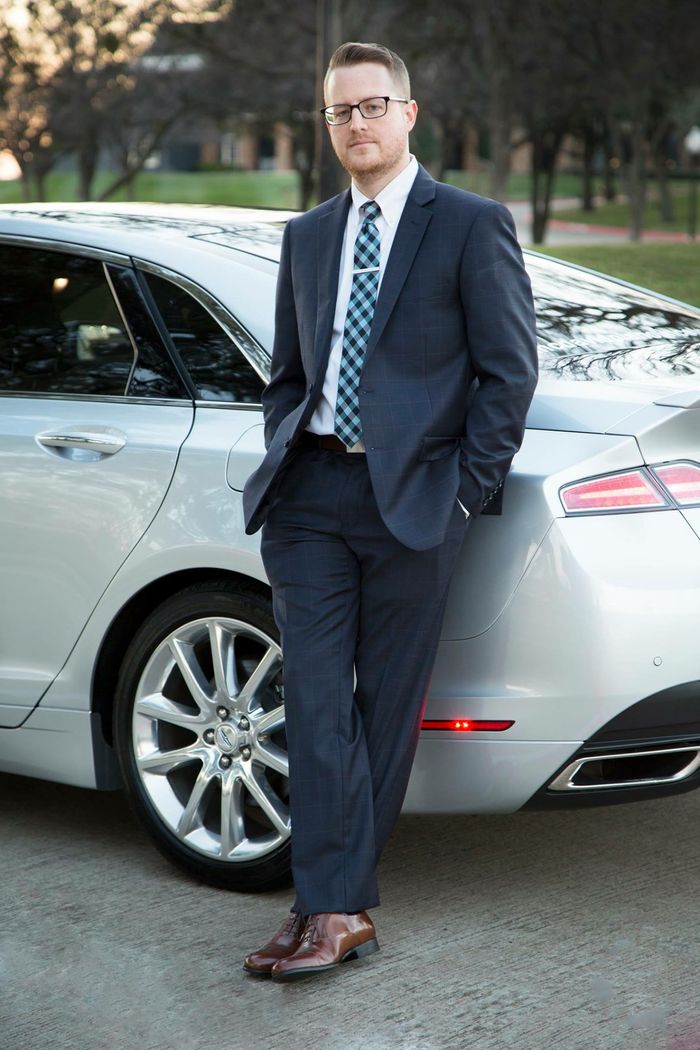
(359, 616)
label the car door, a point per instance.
(92, 417)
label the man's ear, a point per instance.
(411, 114)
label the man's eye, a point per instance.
(341, 113)
(373, 108)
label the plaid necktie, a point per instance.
(358, 322)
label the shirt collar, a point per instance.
(392, 198)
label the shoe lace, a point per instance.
(309, 930)
(290, 923)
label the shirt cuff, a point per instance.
(466, 512)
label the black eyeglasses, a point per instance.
(370, 109)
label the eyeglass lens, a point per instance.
(369, 108)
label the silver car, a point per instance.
(137, 643)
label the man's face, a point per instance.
(369, 149)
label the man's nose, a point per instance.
(357, 120)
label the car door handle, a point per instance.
(104, 443)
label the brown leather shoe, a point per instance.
(330, 938)
(284, 943)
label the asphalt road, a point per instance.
(565, 931)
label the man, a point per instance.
(403, 365)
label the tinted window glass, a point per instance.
(217, 367)
(589, 328)
(60, 329)
(154, 374)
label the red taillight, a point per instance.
(630, 490)
(467, 725)
(682, 480)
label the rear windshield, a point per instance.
(589, 328)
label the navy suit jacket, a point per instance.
(450, 367)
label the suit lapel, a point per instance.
(329, 244)
(409, 234)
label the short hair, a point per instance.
(353, 53)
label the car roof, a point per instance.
(133, 228)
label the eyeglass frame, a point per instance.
(356, 105)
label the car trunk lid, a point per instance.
(604, 407)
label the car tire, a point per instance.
(199, 732)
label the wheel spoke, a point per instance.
(268, 721)
(165, 761)
(185, 657)
(273, 756)
(223, 653)
(190, 818)
(232, 826)
(268, 800)
(164, 710)
(266, 669)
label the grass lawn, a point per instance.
(565, 185)
(673, 269)
(279, 189)
(617, 213)
(271, 189)
(274, 189)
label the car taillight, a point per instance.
(682, 480)
(467, 725)
(628, 490)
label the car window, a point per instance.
(216, 366)
(60, 329)
(590, 328)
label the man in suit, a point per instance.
(403, 366)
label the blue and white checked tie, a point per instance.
(358, 322)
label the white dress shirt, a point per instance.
(391, 201)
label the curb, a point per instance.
(672, 236)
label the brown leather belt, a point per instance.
(329, 441)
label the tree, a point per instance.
(69, 73)
(638, 59)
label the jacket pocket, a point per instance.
(438, 447)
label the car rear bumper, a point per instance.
(479, 776)
(596, 650)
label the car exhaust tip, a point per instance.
(661, 765)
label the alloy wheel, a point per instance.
(208, 738)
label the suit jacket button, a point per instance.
(287, 443)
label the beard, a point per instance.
(367, 167)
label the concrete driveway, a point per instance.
(562, 931)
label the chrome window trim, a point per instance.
(117, 399)
(252, 406)
(29, 241)
(127, 327)
(242, 339)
